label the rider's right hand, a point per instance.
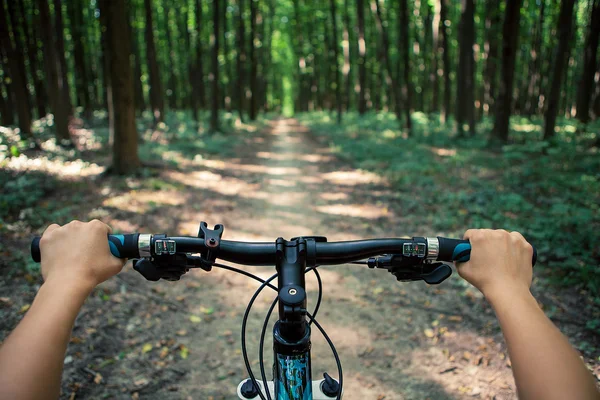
(500, 262)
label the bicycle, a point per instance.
(159, 256)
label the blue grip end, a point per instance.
(114, 249)
(462, 252)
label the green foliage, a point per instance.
(550, 193)
(20, 192)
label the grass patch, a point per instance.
(548, 191)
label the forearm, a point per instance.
(544, 364)
(31, 358)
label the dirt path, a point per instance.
(137, 339)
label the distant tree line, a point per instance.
(458, 59)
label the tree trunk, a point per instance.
(492, 22)
(465, 87)
(445, 58)
(253, 61)
(348, 56)
(6, 103)
(335, 44)
(376, 8)
(435, 31)
(32, 57)
(565, 21)
(510, 39)
(171, 91)
(58, 103)
(241, 60)
(214, 116)
(226, 75)
(586, 82)
(156, 92)
(362, 57)
(138, 90)
(125, 148)
(403, 44)
(60, 48)
(534, 74)
(16, 68)
(81, 78)
(199, 81)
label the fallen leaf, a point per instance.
(180, 298)
(97, 379)
(429, 333)
(5, 300)
(164, 352)
(147, 348)
(467, 355)
(135, 396)
(24, 308)
(195, 319)
(455, 318)
(183, 352)
(140, 382)
(378, 290)
(181, 332)
(207, 311)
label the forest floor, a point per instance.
(181, 340)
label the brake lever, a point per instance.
(407, 269)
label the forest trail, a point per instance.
(181, 340)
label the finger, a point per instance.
(101, 225)
(50, 229)
(469, 234)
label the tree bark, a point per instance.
(156, 92)
(60, 47)
(338, 93)
(171, 90)
(443, 4)
(253, 61)
(395, 90)
(6, 103)
(565, 21)
(16, 67)
(586, 81)
(199, 75)
(125, 148)
(32, 57)
(403, 45)
(58, 103)
(510, 39)
(362, 57)
(348, 56)
(138, 90)
(492, 21)
(81, 78)
(465, 85)
(214, 116)
(534, 73)
(241, 60)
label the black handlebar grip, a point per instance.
(460, 250)
(121, 246)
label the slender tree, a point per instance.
(492, 22)
(125, 148)
(214, 116)
(253, 62)
(586, 81)
(403, 45)
(362, 57)
(58, 103)
(565, 22)
(348, 56)
(62, 61)
(199, 69)
(81, 70)
(443, 4)
(465, 83)
(156, 92)
(16, 69)
(241, 60)
(510, 38)
(536, 60)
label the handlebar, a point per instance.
(138, 245)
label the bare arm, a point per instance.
(544, 364)
(75, 258)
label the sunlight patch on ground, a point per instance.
(282, 182)
(311, 158)
(354, 210)
(443, 152)
(144, 201)
(351, 178)
(261, 169)
(72, 169)
(334, 196)
(228, 186)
